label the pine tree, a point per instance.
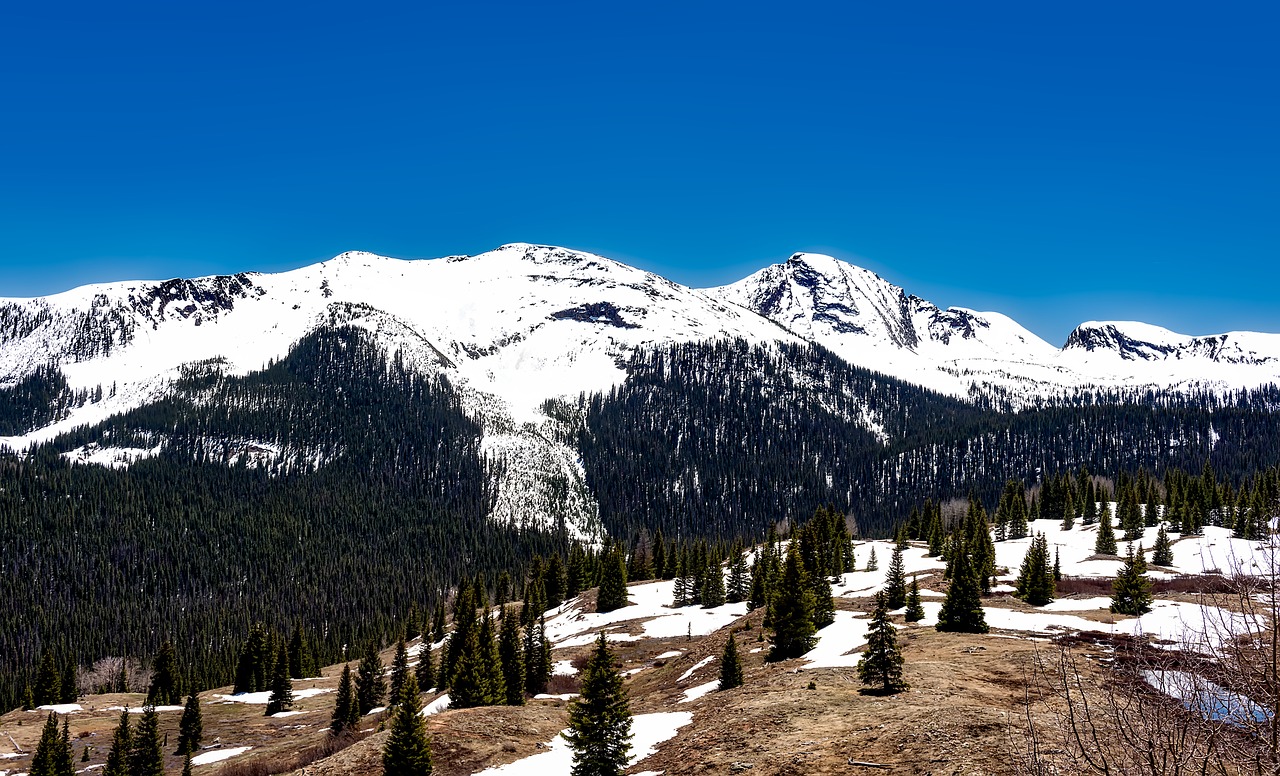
(371, 686)
(600, 719)
(895, 583)
(48, 689)
(512, 657)
(121, 745)
(1132, 594)
(962, 608)
(45, 761)
(145, 757)
(915, 609)
(281, 698)
(792, 610)
(1162, 552)
(346, 712)
(739, 586)
(613, 584)
(880, 667)
(407, 752)
(399, 670)
(426, 670)
(164, 678)
(191, 726)
(730, 665)
(712, 591)
(1105, 544)
(1035, 578)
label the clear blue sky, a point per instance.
(1055, 161)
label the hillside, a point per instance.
(800, 716)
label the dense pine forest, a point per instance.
(101, 561)
(725, 438)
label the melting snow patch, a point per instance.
(649, 601)
(669, 655)
(696, 666)
(436, 706)
(140, 709)
(694, 693)
(544, 697)
(218, 755)
(280, 714)
(563, 668)
(61, 708)
(647, 730)
(847, 633)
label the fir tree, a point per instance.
(69, 692)
(600, 719)
(792, 611)
(346, 712)
(1035, 578)
(407, 752)
(48, 689)
(1162, 552)
(1105, 544)
(730, 665)
(512, 657)
(759, 593)
(45, 761)
(492, 663)
(164, 678)
(371, 686)
(712, 590)
(613, 584)
(145, 757)
(301, 662)
(872, 564)
(281, 698)
(437, 623)
(426, 670)
(880, 667)
(399, 670)
(962, 608)
(473, 683)
(1132, 594)
(895, 583)
(121, 745)
(1057, 566)
(535, 682)
(915, 610)
(253, 669)
(739, 586)
(190, 727)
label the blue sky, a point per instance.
(1056, 162)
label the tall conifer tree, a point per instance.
(880, 667)
(407, 752)
(730, 665)
(600, 719)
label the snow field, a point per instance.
(647, 730)
(218, 755)
(650, 601)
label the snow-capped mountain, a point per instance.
(873, 323)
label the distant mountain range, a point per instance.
(525, 323)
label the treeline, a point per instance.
(724, 438)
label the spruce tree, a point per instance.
(915, 609)
(399, 669)
(426, 670)
(472, 685)
(253, 669)
(730, 665)
(45, 761)
(301, 661)
(759, 593)
(895, 583)
(534, 681)
(164, 678)
(1105, 544)
(407, 752)
(600, 719)
(872, 564)
(1162, 552)
(739, 586)
(492, 663)
(1132, 594)
(145, 757)
(512, 657)
(186, 765)
(191, 726)
(69, 694)
(281, 698)
(712, 591)
(437, 623)
(346, 711)
(48, 689)
(792, 611)
(371, 686)
(880, 667)
(121, 745)
(1035, 578)
(613, 584)
(962, 608)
